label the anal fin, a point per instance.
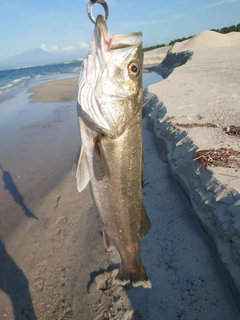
(145, 223)
(108, 243)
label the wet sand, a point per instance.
(40, 145)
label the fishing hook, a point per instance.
(91, 4)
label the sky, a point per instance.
(63, 25)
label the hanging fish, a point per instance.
(111, 155)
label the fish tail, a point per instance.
(137, 277)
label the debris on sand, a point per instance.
(222, 157)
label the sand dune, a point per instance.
(204, 39)
(208, 39)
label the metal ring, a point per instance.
(91, 4)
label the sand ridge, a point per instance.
(202, 90)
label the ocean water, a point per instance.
(11, 80)
(16, 80)
(150, 78)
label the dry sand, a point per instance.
(48, 267)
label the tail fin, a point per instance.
(136, 277)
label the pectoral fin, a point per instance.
(80, 170)
(101, 167)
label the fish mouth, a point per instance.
(118, 41)
(104, 34)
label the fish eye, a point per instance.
(133, 69)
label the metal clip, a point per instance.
(91, 4)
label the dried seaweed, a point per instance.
(232, 130)
(223, 157)
(192, 125)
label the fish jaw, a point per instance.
(107, 93)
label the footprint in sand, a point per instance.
(39, 285)
(60, 223)
(57, 202)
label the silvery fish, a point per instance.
(111, 156)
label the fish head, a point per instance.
(110, 83)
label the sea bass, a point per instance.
(111, 156)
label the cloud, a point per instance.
(68, 48)
(83, 45)
(52, 48)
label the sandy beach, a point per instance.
(55, 91)
(52, 260)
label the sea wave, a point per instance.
(6, 86)
(19, 82)
(19, 77)
(17, 68)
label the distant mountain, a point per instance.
(36, 57)
(36, 53)
(29, 58)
